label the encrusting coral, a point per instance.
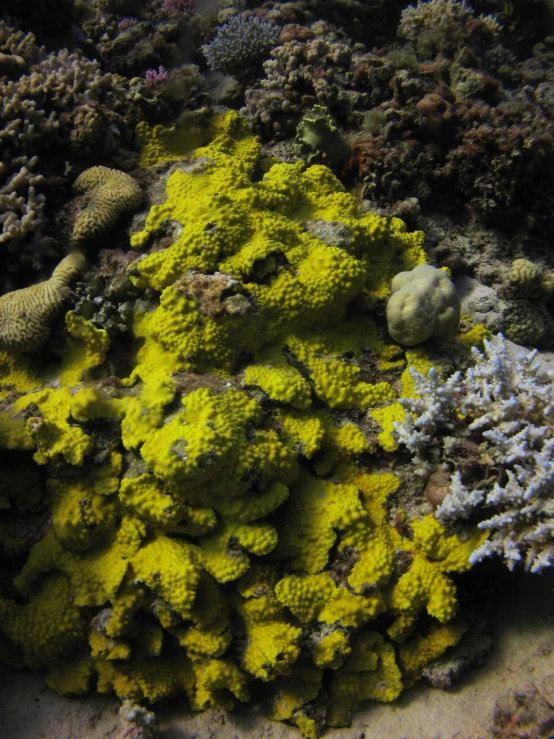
(210, 508)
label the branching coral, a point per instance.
(239, 44)
(504, 403)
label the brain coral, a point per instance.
(110, 195)
(216, 517)
(26, 314)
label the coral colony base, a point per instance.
(236, 472)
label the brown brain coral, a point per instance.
(111, 195)
(25, 315)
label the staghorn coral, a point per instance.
(26, 314)
(219, 529)
(109, 195)
(504, 403)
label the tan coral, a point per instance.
(26, 314)
(111, 194)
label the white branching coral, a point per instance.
(429, 410)
(505, 404)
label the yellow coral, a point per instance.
(49, 627)
(208, 490)
(273, 643)
(420, 650)
(426, 584)
(370, 673)
(315, 511)
(170, 568)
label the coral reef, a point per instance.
(224, 476)
(444, 26)
(324, 69)
(219, 529)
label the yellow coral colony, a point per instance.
(218, 508)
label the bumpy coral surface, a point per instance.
(216, 515)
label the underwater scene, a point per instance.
(276, 369)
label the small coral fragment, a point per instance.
(110, 194)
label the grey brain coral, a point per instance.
(111, 195)
(26, 315)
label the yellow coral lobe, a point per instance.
(475, 336)
(170, 568)
(49, 627)
(273, 643)
(370, 673)
(87, 348)
(420, 650)
(426, 584)
(316, 510)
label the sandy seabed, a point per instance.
(522, 623)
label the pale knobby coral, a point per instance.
(424, 304)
